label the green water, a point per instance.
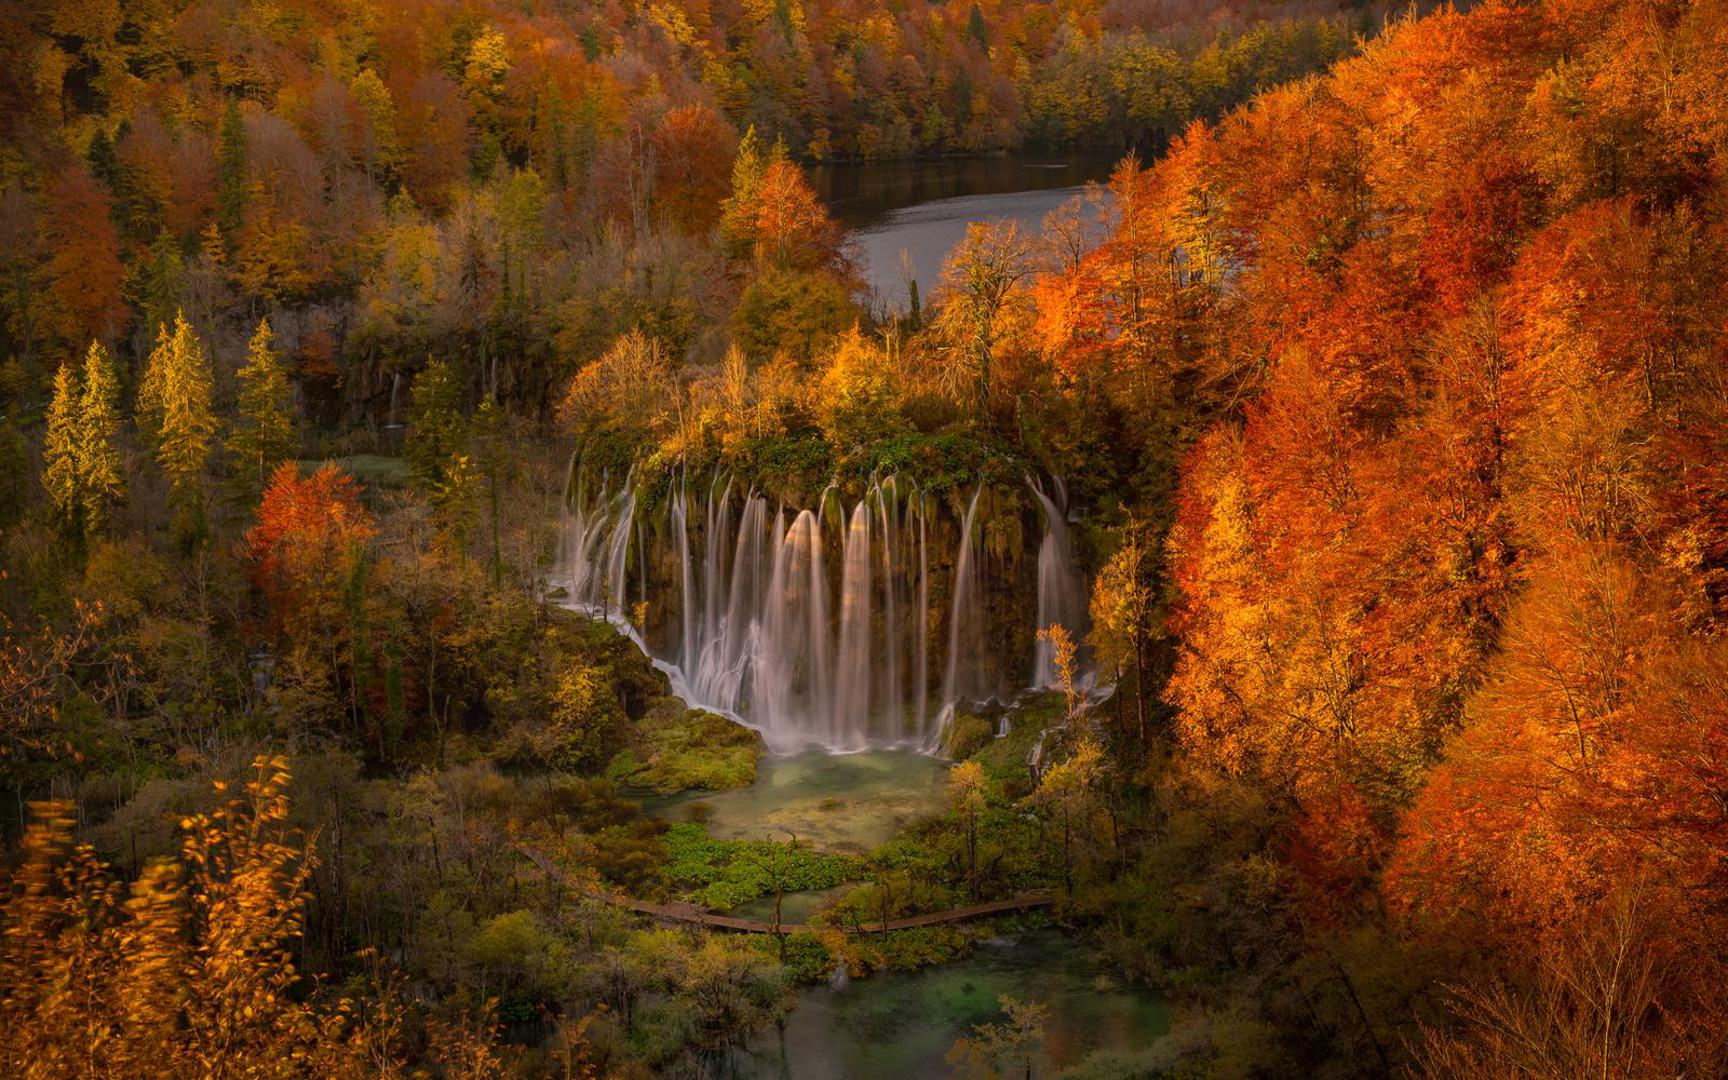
(900, 1025)
(844, 803)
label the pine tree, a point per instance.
(158, 279)
(231, 171)
(60, 449)
(100, 483)
(104, 163)
(738, 212)
(264, 435)
(491, 448)
(435, 433)
(976, 30)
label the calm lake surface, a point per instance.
(912, 213)
(900, 1024)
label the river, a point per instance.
(911, 214)
(901, 1024)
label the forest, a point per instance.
(451, 462)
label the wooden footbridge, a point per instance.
(683, 912)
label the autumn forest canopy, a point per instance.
(450, 449)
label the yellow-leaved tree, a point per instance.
(187, 971)
(174, 410)
(81, 465)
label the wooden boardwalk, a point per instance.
(680, 911)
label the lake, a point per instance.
(912, 213)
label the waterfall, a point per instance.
(812, 625)
(790, 662)
(887, 499)
(687, 612)
(852, 697)
(964, 675)
(597, 546)
(1061, 591)
(923, 669)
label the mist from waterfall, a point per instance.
(813, 626)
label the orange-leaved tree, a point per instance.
(309, 542)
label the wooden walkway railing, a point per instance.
(680, 911)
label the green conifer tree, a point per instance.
(738, 212)
(435, 432)
(231, 156)
(264, 435)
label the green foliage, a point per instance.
(723, 874)
(263, 434)
(585, 718)
(805, 957)
(892, 894)
(437, 432)
(793, 467)
(157, 280)
(677, 749)
(1005, 759)
(969, 734)
(14, 472)
(231, 158)
(797, 312)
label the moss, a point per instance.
(970, 734)
(792, 468)
(1005, 759)
(676, 749)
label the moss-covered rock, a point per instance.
(676, 749)
(968, 734)
(1005, 760)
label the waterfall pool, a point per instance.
(843, 803)
(900, 1024)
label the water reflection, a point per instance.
(910, 214)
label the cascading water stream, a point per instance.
(852, 697)
(963, 676)
(1061, 591)
(812, 625)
